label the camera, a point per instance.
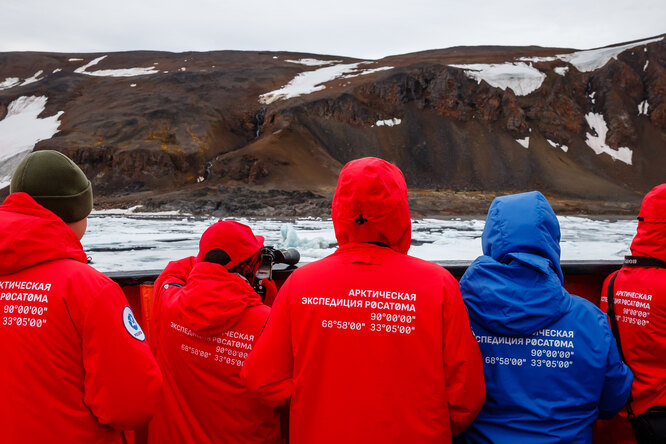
(271, 256)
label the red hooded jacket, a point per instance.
(74, 366)
(206, 321)
(371, 344)
(640, 307)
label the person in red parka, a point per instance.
(74, 366)
(639, 293)
(371, 344)
(206, 318)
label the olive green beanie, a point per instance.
(56, 183)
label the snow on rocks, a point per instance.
(311, 81)
(122, 72)
(389, 122)
(9, 82)
(21, 129)
(598, 142)
(537, 59)
(561, 70)
(34, 78)
(313, 62)
(557, 145)
(520, 77)
(590, 60)
(643, 108)
(524, 142)
(82, 69)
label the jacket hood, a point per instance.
(370, 205)
(515, 288)
(214, 299)
(650, 239)
(32, 235)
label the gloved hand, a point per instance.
(271, 291)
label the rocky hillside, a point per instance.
(265, 133)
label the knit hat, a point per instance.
(56, 183)
(234, 241)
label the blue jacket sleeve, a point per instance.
(617, 382)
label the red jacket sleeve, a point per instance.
(463, 364)
(122, 379)
(175, 274)
(268, 370)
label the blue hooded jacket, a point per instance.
(550, 360)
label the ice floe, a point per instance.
(139, 241)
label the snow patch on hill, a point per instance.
(520, 77)
(34, 78)
(121, 72)
(561, 70)
(389, 122)
(21, 129)
(598, 142)
(313, 62)
(524, 142)
(586, 61)
(9, 82)
(557, 145)
(311, 81)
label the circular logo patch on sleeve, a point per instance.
(131, 325)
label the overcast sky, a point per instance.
(355, 28)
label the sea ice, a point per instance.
(139, 241)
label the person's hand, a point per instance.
(271, 291)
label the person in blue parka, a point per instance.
(550, 360)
